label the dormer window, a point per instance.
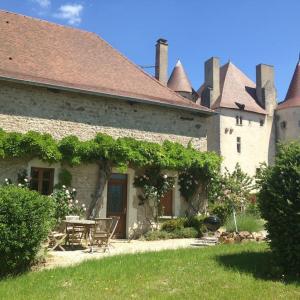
(239, 120)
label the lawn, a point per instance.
(221, 272)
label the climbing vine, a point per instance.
(108, 152)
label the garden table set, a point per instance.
(87, 233)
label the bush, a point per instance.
(25, 220)
(176, 234)
(221, 211)
(279, 202)
(196, 222)
(188, 232)
(172, 224)
(244, 222)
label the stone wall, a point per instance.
(24, 108)
(291, 129)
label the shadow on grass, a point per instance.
(258, 264)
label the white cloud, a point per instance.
(70, 12)
(43, 3)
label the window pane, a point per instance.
(47, 174)
(115, 198)
(34, 173)
(34, 184)
(46, 188)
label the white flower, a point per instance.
(63, 186)
(19, 184)
(74, 190)
(67, 192)
(76, 201)
(84, 209)
(6, 180)
(83, 205)
(25, 180)
(71, 201)
(165, 176)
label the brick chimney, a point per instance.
(161, 61)
(265, 87)
(211, 81)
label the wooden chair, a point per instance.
(55, 240)
(103, 231)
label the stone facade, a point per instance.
(24, 108)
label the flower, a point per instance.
(165, 176)
(84, 209)
(83, 205)
(76, 201)
(19, 184)
(63, 186)
(74, 190)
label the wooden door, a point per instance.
(117, 201)
(166, 204)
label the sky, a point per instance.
(247, 32)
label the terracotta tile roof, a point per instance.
(41, 52)
(178, 80)
(292, 98)
(236, 90)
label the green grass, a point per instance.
(245, 222)
(221, 272)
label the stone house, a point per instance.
(65, 81)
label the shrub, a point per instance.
(176, 234)
(188, 232)
(244, 222)
(25, 220)
(279, 202)
(195, 222)
(221, 211)
(66, 204)
(173, 224)
(157, 235)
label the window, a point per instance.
(239, 120)
(238, 144)
(261, 122)
(42, 180)
(283, 124)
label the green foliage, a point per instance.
(222, 211)
(65, 178)
(154, 185)
(231, 189)
(120, 152)
(244, 222)
(66, 204)
(173, 224)
(279, 202)
(178, 233)
(25, 220)
(196, 222)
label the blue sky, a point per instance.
(247, 32)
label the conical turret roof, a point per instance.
(178, 80)
(292, 98)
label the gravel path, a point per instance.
(72, 257)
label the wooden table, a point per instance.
(86, 224)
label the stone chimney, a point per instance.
(161, 61)
(211, 81)
(265, 87)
